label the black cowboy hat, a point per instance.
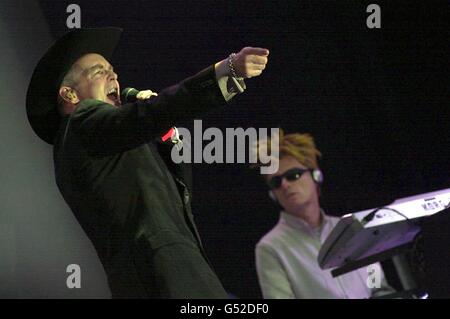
(50, 71)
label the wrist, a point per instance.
(221, 69)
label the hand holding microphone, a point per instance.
(143, 95)
(130, 95)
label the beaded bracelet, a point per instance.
(231, 66)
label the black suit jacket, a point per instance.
(130, 199)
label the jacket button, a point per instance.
(186, 196)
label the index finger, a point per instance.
(256, 51)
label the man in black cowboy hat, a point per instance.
(130, 198)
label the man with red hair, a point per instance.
(286, 257)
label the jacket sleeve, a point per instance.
(272, 278)
(105, 129)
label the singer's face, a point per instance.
(95, 79)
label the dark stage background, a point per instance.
(376, 101)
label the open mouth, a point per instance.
(113, 95)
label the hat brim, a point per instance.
(41, 102)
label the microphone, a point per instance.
(129, 95)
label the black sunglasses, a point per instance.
(290, 175)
